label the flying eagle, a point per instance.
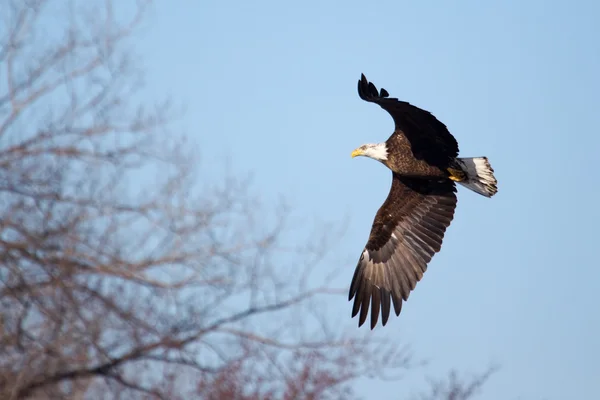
(409, 227)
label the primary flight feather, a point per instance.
(409, 227)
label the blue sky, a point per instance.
(271, 85)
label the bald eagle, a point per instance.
(409, 227)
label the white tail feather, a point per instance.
(480, 175)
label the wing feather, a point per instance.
(407, 231)
(385, 306)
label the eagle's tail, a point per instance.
(479, 175)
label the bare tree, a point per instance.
(122, 274)
(455, 388)
(118, 272)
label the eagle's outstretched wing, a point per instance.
(407, 231)
(429, 138)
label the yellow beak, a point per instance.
(356, 152)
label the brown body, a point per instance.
(403, 161)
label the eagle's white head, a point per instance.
(376, 151)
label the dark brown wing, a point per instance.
(429, 138)
(407, 231)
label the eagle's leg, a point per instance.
(456, 175)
